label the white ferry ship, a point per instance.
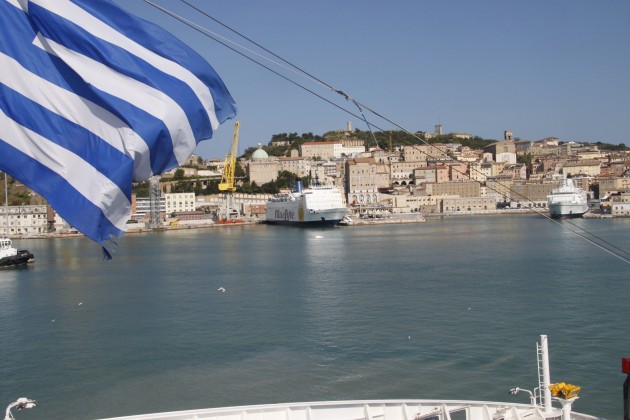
(313, 206)
(567, 200)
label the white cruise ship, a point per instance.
(567, 200)
(313, 206)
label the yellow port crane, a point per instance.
(227, 180)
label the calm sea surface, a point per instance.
(448, 309)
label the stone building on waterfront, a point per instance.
(620, 206)
(25, 220)
(468, 204)
(532, 194)
(361, 181)
(458, 188)
(141, 208)
(179, 202)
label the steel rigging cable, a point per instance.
(575, 229)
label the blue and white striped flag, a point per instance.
(92, 98)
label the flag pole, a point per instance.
(6, 206)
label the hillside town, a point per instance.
(377, 182)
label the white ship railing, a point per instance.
(369, 410)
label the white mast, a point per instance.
(546, 379)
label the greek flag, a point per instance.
(93, 98)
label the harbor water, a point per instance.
(448, 309)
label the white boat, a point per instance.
(347, 221)
(567, 200)
(540, 406)
(10, 256)
(313, 206)
(370, 410)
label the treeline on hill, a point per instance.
(294, 140)
(398, 138)
(402, 138)
(612, 147)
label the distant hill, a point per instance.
(398, 138)
(20, 194)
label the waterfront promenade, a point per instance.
(356, 221)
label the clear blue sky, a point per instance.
(540, 68)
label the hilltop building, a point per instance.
(502, 151)
(331, 149)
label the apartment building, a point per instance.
(585, 167)
(298, 165)
(620, 206)
(457, 188)
(516, 171)
(325, 172)
(480, 171)
(468, 204)
(179, 202)
(457, 171)
(431, 174)
(361, 181)
(499, 187)
(611, 185)
(321, 149)
(24, 220)
(402, 173)
(423, 152)
(141, 207)
(533, 194)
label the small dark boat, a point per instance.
(10, 256)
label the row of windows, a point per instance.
(34, 216)
(457, 209)
(24, 223)
(20, 231)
